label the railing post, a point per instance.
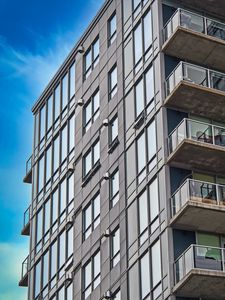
(213, 134)
(222, 256)
(217, 194)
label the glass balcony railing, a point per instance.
(199, 257)
(199, 191)
(194, 22)
(197, 75)
(29, 165)
(24, 268)
(26, 217)
(197, 131)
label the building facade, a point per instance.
(127, 169)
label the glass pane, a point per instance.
(47, 216)
(87, 275)
(139, 97)
(64, 91)
(112, 26)
(143, 211)
(215, 29)
(96, 101)
(50, 108)
(192, 21)
(88, 112)
(88, 60)
(70, 188)
(151, 131)
(64, 143)
(72, 81)
(115, 183)
(48, 163)
(156, 264)
(42, 122)
(45, 268)
(70, 242)
(62, 250)
(96, 206)
(145, 276)
(97, 264)
(147, 31)
(96, 152)
(53, 259)
(55, 204)
(138, 43)
(41, 173)
(57, 102)
(149, 83)
(56, 154)
(96, 49)
(37, 278)
(116, 242)
(114, 129)
(141, 152)
(154, 199)
(87, 163)
(71, 133)
(134, 283)
(69, 292)
(39, 225)
(63, 197)
(61, 294)
(113, 78)
(87, 216)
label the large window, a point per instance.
(112, 29)
(113, 130)
(91, 158)
(91, 216)
(112, 82)
(143, 39)
(115, 247)
(144, 93)
(114, 188)
(91, 275)
(147, 274)
(91, 111)
(91, 58)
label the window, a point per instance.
(91, 216)
(115, 247)
(144, 93)
(114, 188)
(56, 154)
(146, 273)
(91, 58)
(112, 82)
(143, 39)
(117, 296)
(41, 173)
(91, 275)
(91, 111)
(64, 143)
(71, 133)
(112, 29)
(91, 158)
(57, 103)
(113, 130)
(64, 91)
(42, 122)
(72, 81)
(50, 112)
(37, 277)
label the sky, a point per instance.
(35, 38)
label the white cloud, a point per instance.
(12, 256)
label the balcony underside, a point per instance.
(197, 156)
(216, 7)
(196, 47)
(200, 283)
(201, 215)
(199, 100)
(28, 177)
(26, 230)
(24, 281)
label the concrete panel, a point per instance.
(199, 100)
(194, 155)
(202, 284)
(197, 47)
(200, 215)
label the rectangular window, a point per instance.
(41, 173)
(42, 122)
(117, 296)
(45, 269)
(143, 39)
(145, 276)
(115, 247)
(113, 130)
(64, 143)
(91, 275)
(91, 58)
(71, 133)
(37, 277)
(61, 249)
(112, 29)
(47, 218)
(91, 111)
(114, 188)
(56, 154)
(91, 158)
(69, 242)
(64, 91)
(112, 82)
(72, 81)
(50, 112)
(48, 164)
(57, 107)
(91, 216)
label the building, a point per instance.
(127, 169)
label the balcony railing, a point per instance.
(29, 165)
(197, 131)
(24, 273)
(195, 22)
(199, 191)
(197, 75)
(199, 257)
(26, 222)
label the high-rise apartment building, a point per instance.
(127, 169)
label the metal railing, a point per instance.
(195, 190)
(25, 265)
(26, 217)
(197, 131)
(195, 22)
(29, 165)
(194, 74)
(199, 257)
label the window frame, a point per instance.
(114, 256)
(112, 35)
(112, 89)
(113, 198)
(110, 127)
(93, 163)
(94, 113)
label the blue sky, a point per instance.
(35, 38)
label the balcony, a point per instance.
(199, 205)
(199, 273)
(26, 222)
(195, 38)
(24, 273)
(195, 145)
(28, 176)
(196, 90)
(216, 7)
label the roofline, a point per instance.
(70, 56)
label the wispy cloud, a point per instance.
(10, 265)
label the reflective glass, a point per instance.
(55, 205)
(42, 122)
(47, 216)
(145, 276)
(138, 43)
(53, 258)
(72, 81)
(48, 163)
(139, 97)
(96, 152)
(71, 133)
(45, 268)
(154, 199)
(147, 31)
(39, 225)
(149, 83)
(57, 102)
(37, 278)
(141, 152)
(143, 211)
(62, 251)
(50, 110)
(156, 263)
(64, 91)
(151, 132)
(40, 174)
(63, 197)
(64, 143)
(56, 154)
(114, 129)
